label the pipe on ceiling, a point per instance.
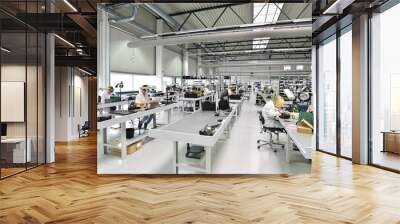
(157, 11)
(213, 36)
(255, 51)
(255, 64)
(266, 72)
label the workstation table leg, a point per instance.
(289, 148)
(169, 116)
(208, 151)
(104, 140)
(175, 157)
(123, 140)
(100, 143)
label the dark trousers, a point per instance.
(146, 121)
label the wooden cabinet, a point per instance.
(391, 142)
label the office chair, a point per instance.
(270, 131)
(84, 130)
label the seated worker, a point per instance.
(206, 90)
(105, 98)
(143, 101)
(270, 112)
(107, 94)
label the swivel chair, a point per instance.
(84, 129)
(271, 131)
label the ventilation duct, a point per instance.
(298, 28)
(111, 10)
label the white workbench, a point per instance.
(102, 144)
(192, 101)
(303, 141)
(187, 130)
(114, 104)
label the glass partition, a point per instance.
(385, 89)
(327, 95)
(22, 78)
(13, 94)
(346, 92)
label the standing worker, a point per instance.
(143, 100)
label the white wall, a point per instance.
(80, 114)
(172, 63)
(130, 60)
(69, 112)
(192, 67)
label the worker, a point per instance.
(105, 97)
(143, 101)
(270, 112)
(206, 90)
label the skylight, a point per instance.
(265, 13)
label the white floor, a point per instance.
(237, 154)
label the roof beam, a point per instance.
(206, 9)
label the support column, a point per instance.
(199, 68)
(185, 63)
(103, 49)
(159, 56)
(50, 98)
(314, 89)
(50, 92)
(360, 90)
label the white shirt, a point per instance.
(269, 113)
(105, 96)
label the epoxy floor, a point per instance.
(237, 154)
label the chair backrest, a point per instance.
(86, 125)
(223, 105)
(261, 117)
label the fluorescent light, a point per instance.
(300, 67)
(84, 71)
(70, 5)
(5, 50)
(64, 40)
(287, 68)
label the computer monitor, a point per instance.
(3, 130)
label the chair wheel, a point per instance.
(275, 150)
(258, 141)
(258, 147)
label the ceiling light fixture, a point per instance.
(287, 68)
(84, 71)
(337, 7)
(64, 40)
(70, 5)
(5, 50)
(299, 67)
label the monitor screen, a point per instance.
(3, 129)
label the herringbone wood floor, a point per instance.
(69, 191)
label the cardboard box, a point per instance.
(305, 130)
(304, 127)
